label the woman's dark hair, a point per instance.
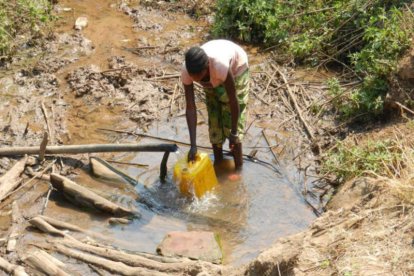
(195, 60)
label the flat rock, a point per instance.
(197, 245)
(81, 23)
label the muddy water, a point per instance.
(248, 214)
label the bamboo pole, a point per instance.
(90, 148)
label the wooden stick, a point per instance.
(127, 163)
(43, 146)
(37, 175)
(163, 77)
(46, 117)
(45, 263)
(126, 258)
(115, 267)
(273, 153)
(46, 199)
(90, 148)
(85, 197)
(45, 220)
(405, 108)
(12, 269)
(11, 179)
(174, 141)
(45, 227)
(295, 105)
(16, 217)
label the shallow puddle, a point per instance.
(248, 214)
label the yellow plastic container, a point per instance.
(195, 178)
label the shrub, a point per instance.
(21, 17)
(348, 161)
(367, 36)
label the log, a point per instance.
(44, 220)
(90, 148)
(119, 221)
(45, 263)
(115, 267)
(11, 179)
(147, 263)
(42, 225)
(12, 269)
(49, 257)
(126, 258)
(83, 196)
(103, 169)
(71, 227)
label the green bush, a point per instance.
(367, 36)
(21, 17)
(349, 161)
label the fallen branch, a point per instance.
(405, 108)
(37, 175)
(267, 141)
(16, 217)
(45, 263)
(163, 77)
(45, 227)
(129, 259)
(83, 196)
(103, 169)
(11, 179)
(295, 105)
(12, 269)
(43, 221)
(115, 267)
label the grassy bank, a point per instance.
(20, 22)
(366, 37)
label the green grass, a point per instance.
(20, 21)
(365, 36)
(376, 157)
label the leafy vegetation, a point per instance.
(21, 18)
(349, 161)
(365, 36)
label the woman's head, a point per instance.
(196, 62)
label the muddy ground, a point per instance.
(121, 73)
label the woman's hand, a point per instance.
(192, 154)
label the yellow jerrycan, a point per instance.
(195, 178)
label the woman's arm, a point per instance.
(191, 116)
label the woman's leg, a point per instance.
(238, 156)
(218, 153)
